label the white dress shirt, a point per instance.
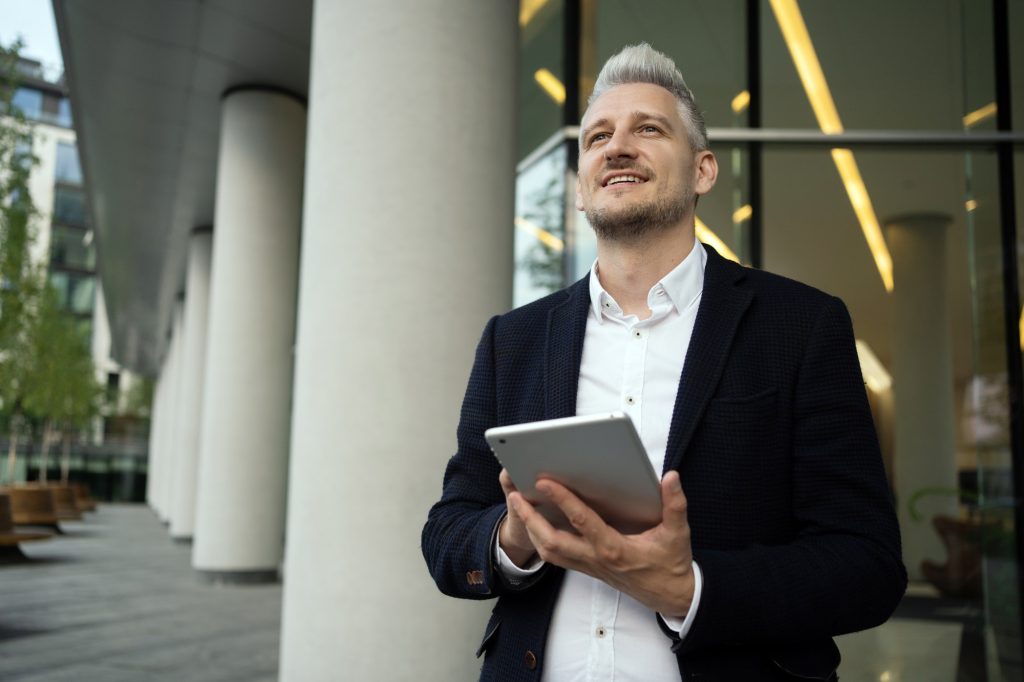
(598, 633)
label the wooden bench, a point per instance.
(63, 499)
(33, 506)
(10, 552)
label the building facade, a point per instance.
(64, 238)
(307, 212)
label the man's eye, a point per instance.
(597, 137)
(650, 129)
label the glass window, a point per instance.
(69, 206)
(64, 113)
(884, 65)
(71, 247)
(75, 292)
(931, 340)
(706, 38)
(540, 227)
(541, 78)
(69, 169)
(29, 101)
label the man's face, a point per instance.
(637, 172)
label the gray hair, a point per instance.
(641, 63)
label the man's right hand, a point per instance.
(512, 536)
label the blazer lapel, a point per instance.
(567, 323)
(721, 307)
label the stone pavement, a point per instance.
(115, 600)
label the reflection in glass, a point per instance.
(540, 227)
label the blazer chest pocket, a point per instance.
(735, 439)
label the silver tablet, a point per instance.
(600, 457)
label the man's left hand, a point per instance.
(654, 567)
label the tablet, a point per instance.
(600, 457)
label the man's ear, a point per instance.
(706, 172)
(579, 197)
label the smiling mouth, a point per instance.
(625, 180)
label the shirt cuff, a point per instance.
(682, 625)
(509, 571)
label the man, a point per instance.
(746, 390)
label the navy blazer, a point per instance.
(791, 517)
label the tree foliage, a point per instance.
(46, 369)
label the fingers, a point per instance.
(507, 486)
(584, 519)
(673, 504)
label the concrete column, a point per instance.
(169, 445)
(193, 361)
(155, 417)
(240, 510)
(407, 250)
(924, 441)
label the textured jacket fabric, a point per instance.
(790, 514)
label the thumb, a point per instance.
(673, 503)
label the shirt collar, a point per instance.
(681, 285)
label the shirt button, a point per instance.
(637, 333)
(601, 632)
(630, 400)
(530, 659)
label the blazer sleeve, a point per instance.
(843, 570)
(459, 534)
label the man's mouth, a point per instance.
(624, 179)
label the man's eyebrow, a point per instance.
(638, 116)
(596, 124)
(635, 117)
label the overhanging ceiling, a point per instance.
(146, 80)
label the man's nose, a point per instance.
(620, 145)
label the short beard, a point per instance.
(636, 223)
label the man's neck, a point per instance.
(628, 270)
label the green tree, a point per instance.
(19, 279)
(61, 389)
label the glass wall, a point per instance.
(910, 233)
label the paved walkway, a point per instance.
(115, 600)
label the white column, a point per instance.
(169, 441)
(240, 510)
(155, 417)
(924, 455)
(407, 250)
(193, 361)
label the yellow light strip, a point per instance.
(861, 203)
(875, 375)
(527, 10)
(708, 237)
(798, 40)
(551, 85)
(971, 204)
(978, 115)
(741, 101)
(1020, 333)
(543, 236)
(742, 213)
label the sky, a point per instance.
(33, 21)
